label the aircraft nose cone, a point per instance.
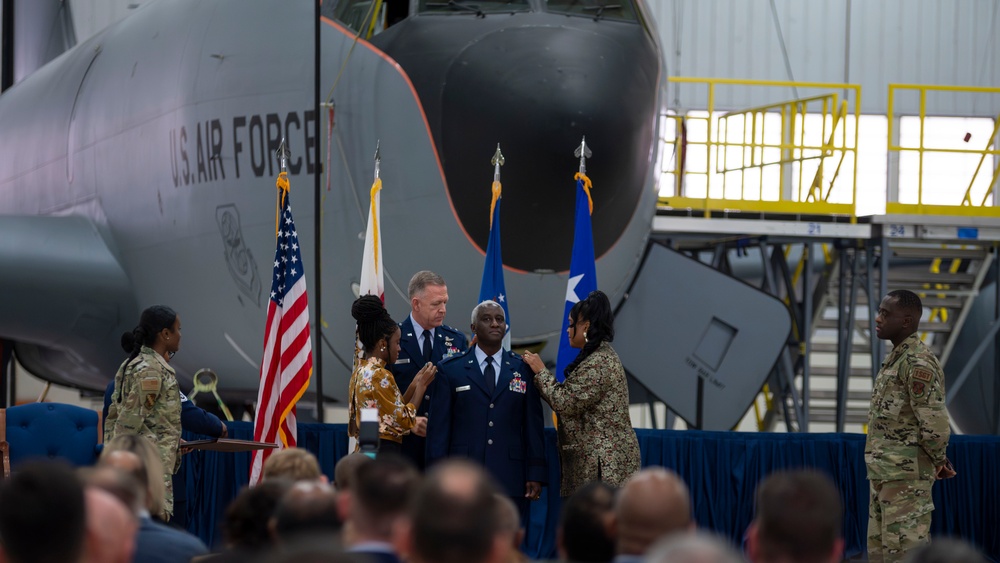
(538, 91)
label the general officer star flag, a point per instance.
(492, 287)
(582, 272)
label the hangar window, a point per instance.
(622, 10)
(473, 7)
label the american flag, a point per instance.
(287, 364)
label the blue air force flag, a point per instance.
(582, 272)
(492, 286)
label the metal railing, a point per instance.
(968, 204)
(796, 156)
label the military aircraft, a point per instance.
(138, 168)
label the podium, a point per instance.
(227, 445)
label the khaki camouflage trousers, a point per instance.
(899, 518)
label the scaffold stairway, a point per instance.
(947, 278)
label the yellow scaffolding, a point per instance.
(792, 157)
(966, 206)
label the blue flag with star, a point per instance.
(493, 286)
(582, 271)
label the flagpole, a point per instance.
(317, 220)
(583, 153)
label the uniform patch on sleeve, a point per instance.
(149, 401)
(150, 384)
(917, 389)
(923, 374)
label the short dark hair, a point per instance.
(584, 536)
(345, 473)
(383, 489)
(799, 516)
(42, 497)
(248, 515)
(908, 301)
(453, 515)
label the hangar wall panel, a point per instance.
(951, 42)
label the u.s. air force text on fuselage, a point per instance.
(199, 152)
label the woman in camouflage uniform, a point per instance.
(146, 400)
(596, 439)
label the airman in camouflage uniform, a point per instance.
(147, 402)
(146, 398)
(907, 434)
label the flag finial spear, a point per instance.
(378, 157)
(583, 153)
(283, 154)
(497, 161)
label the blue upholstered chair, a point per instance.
(48, 431)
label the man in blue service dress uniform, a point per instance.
(485, 408)
(424, 338)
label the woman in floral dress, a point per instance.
(372, 384)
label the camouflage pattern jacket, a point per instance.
(147, 402)
(596, 439)
(907, 424)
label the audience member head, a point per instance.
(654, 503)
(111, 529)
(583, 534)
(509, 524)
(308, 509)
(696, 547)
(313, 550)
(120, 483)
(293, 464)
(378, 333)
(246, 526)
(428, 299)
(945, 550)
(453, 517)
(38, 499)
(150, 474)
(799, 518)
(346, 470)
(382, 491)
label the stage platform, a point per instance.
(721, 468)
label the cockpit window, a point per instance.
(357, 14)
(621, 10)
(472, 7)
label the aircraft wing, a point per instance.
(65, 298)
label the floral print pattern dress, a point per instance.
(372, 386)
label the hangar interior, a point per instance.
(827, 152)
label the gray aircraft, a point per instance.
(138, 168)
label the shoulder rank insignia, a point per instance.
(923, 374)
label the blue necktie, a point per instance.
(490, 374)
(428, 338)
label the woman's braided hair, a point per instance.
(374, 322)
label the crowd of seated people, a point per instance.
(384, 511)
